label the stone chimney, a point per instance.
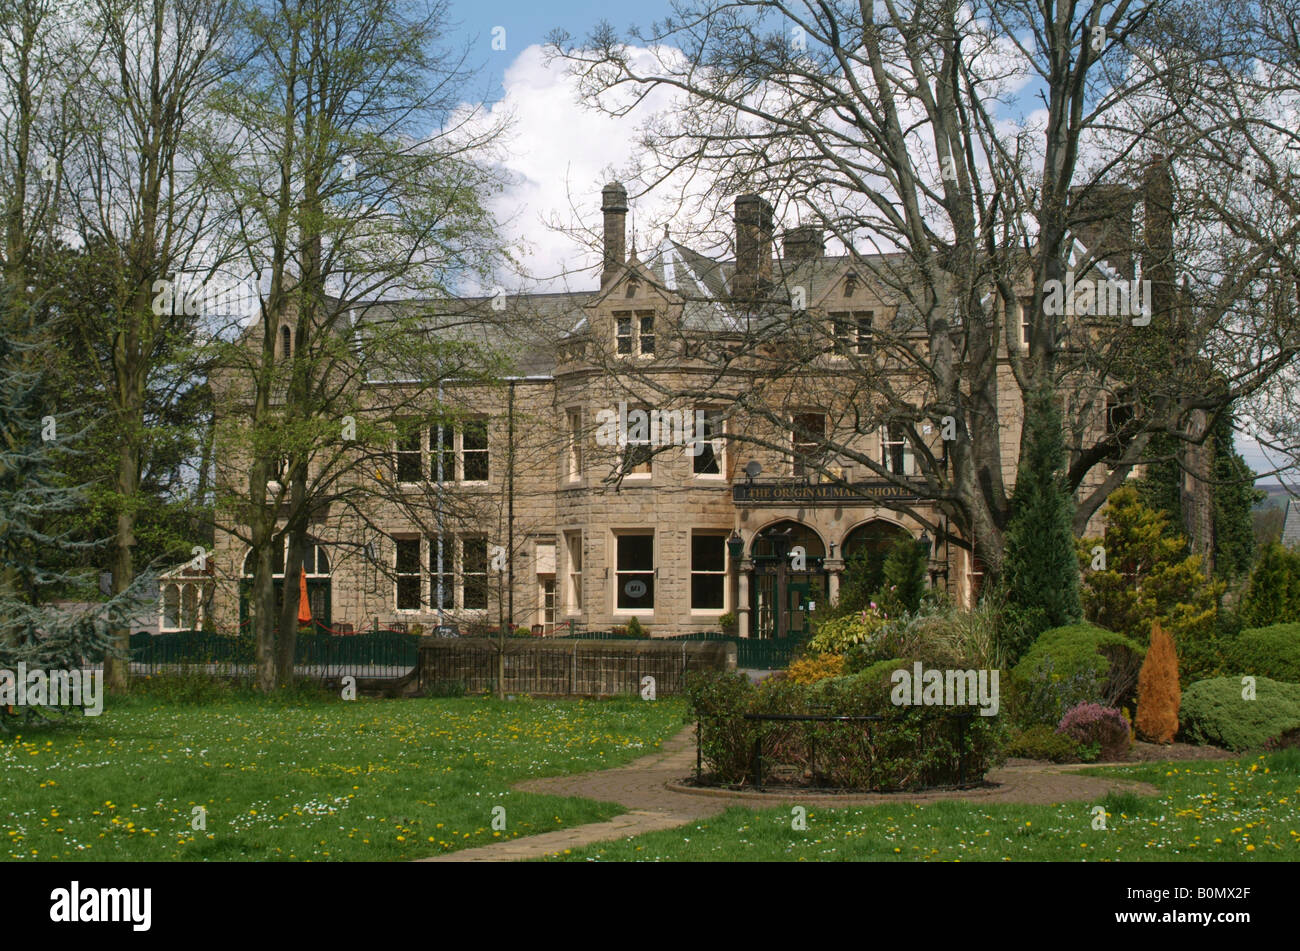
(804, 243)
(754, 230)
(1158, 235)
(1102, 219)
(613, 203)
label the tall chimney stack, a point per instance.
(1158, 237)
(613, 203)
(754, 231)
(804, 243)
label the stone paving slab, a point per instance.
(651, 789)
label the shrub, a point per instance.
(1272, 651)
(904, 575)
(1158, 695)
(1042, 742)
(1273, 594)
(837, 635)
(1091, 723)
(815, 667)
(634, 628)
(727, 622)
(1070, 665)
(1148, 575)
(915, 748)
(1217, 712)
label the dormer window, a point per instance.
(634, 333)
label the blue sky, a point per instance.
(528, 23)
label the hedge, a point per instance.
(1272, 651)
(1216, 712)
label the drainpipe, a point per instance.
(510, 514)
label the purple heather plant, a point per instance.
(1091, 723)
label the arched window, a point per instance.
(876, 536)
(775, 541)
(190, 607)
(171, 608)
(315, 562)
(286, 343)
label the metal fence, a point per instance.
(562, 669)
(373, 654)
(751, 652)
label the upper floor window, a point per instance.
(450, 454)
(896, 453)
(286, 343)
(710, 443)
(573, 419)
(852, 331)
(634, 333)
(1026, 303)
(808, 438)
(638, 449)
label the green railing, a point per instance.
(316, 652)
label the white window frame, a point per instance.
(618, 573)
(725, 573)
(718, 443)
(573, 576)
(886, 457)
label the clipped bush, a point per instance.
(1067, 666)
(1220, 713)
(634, 628)
(1272, 651)
(815, 667)
(1092, 724)
(1043, 742)
(1158, 694)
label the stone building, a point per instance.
(553, 502)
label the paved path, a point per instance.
(649, 788)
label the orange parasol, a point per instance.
(304, 606)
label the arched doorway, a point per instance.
(315, 565)
(865, 550)
(782, 593)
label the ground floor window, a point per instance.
(708, 571)
(634, 572)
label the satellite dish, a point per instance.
(753, 469)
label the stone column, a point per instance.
(834, 566)
(742, 600)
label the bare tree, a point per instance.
(972, 160)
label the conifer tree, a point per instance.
(32, 497)
(1040, 570)
(1158, 694)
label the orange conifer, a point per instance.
(1158, 693)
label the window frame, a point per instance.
(619, 573)
(721, 535)
(798, 464)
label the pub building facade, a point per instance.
(676, 536)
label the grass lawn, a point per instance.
(1217, 810)
(308, 779)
